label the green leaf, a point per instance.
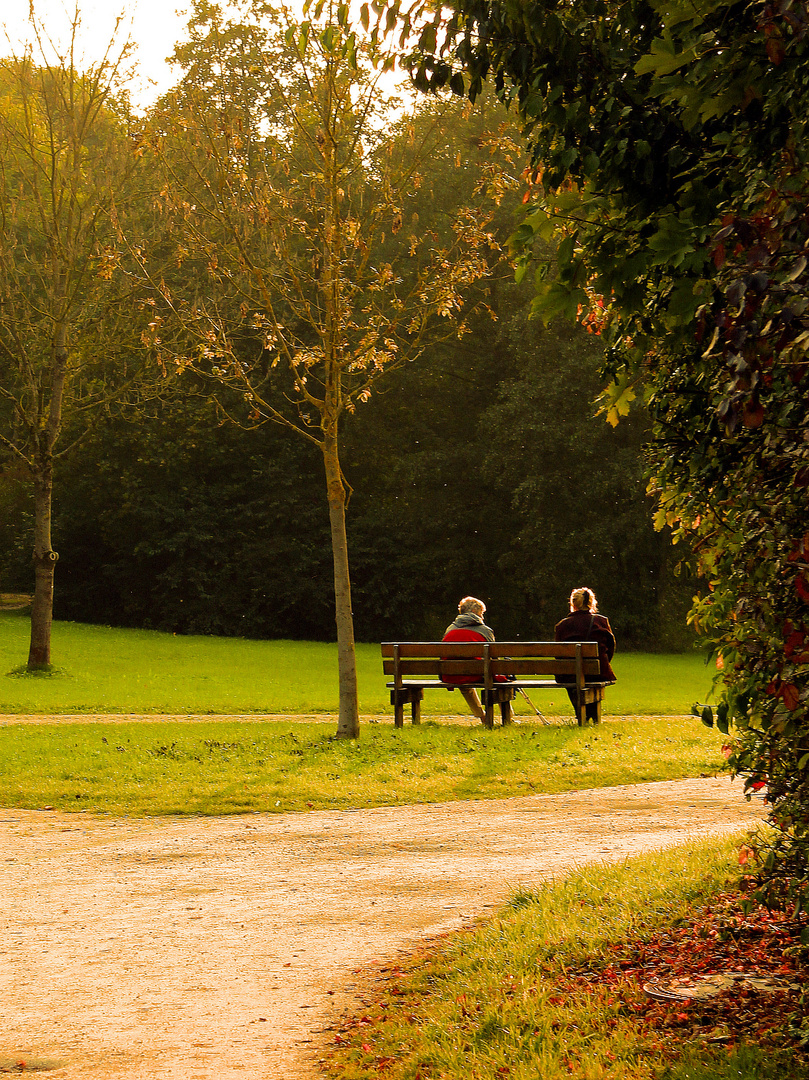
(564, 253)
(590, 163)
(707, 716)
(556, 299)
(664, 58)
(428, 39)
(303, 38)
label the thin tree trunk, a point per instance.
(348, 726)
(39, 654)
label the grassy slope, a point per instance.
(222, 768)
(142, 671)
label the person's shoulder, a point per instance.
(601, 622)
(459, 633)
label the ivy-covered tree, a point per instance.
(668, 149)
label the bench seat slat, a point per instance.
(525, 684)
(497, 649)
(499, 667)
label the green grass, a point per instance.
(486, 1004)
(231, 767)
(142, 671)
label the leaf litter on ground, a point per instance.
(762, 1005)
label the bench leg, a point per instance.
(410, 695)
(415, 708)
(590, 699)
(577, 701)
(506, 715)
(599, 697)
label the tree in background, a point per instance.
(668, 147)
(65, 161)
(461, 468)
(290, 188)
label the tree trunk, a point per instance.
(39, 655)
(348, 725)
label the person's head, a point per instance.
(470, 605)
(583, 600)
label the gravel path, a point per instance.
(214, 948)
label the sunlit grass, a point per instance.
(230, 767)
(142, 671)
(486, 1004)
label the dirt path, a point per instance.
(207, 949)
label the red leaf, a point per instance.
(790, 696)
(776, 50)
(801, 552)
(802, 588)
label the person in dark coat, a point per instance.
(469, 626)
(585, 624)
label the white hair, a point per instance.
(471, 605)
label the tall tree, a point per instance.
(290, 186)
(65, 157)
(667, 141)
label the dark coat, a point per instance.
(577, 627)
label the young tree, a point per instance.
(65, 157)
(287, 180)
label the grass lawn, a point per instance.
(552, 988)
(142, 671)
(231, 767)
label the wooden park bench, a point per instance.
(417, 666)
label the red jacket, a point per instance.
(464, 634)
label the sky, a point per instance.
(154, 25)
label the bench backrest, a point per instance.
(484, 660)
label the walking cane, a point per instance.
(533, 706)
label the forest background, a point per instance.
(481, 467)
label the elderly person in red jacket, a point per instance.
(585, 624)
(469, 626)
